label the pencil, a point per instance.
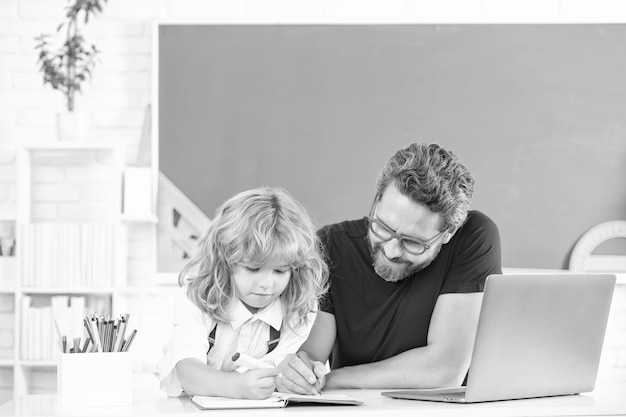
(105, 336)
(84, 349)
(116, 329)
(94, 327)
(120, 334)
(129, 341)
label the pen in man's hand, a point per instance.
(314, 381)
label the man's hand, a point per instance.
(300, 374)
(256, 384)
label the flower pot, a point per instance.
(70, 126)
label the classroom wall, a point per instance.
(534, 111)
(122, 85)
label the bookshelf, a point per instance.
(71, 252)
(8, 268)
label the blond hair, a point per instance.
(258, 226)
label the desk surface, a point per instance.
(605, 400)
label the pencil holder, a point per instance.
(95, 379)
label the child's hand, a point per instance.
(256, 384)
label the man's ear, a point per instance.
(448, 235)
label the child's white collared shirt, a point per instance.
(246, 333)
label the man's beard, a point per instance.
(397, 269)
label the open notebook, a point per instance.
(277, 400)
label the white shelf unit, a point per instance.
(8, 261)
(27, 372)
(8, 280)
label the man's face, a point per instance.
(406, 217)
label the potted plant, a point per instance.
(67, 67)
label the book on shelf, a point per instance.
(25, 329)
(68, 254)
(38, 340)
(277, 400)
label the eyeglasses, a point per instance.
(407, 243)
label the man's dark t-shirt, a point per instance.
(378, 319)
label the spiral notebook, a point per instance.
(277, 400)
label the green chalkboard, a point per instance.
(537, 112)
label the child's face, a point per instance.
(259, 285)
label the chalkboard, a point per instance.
(536, 112)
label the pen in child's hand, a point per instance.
(249, 362)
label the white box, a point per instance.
(8, 271)
(137, 191)
(95, 379)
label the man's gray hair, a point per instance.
(433, 176)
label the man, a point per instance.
(406, 283)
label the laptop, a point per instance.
(538, 335)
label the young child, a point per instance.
(252, 288)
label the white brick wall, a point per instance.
(115, 100)
(73, 186)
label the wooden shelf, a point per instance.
(151, 290)
(65, 155)
(67, 290)
(68, 146)
(6, 363)
(130, 218)
(38, 364)
(111, 270)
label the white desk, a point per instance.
(605, 400)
